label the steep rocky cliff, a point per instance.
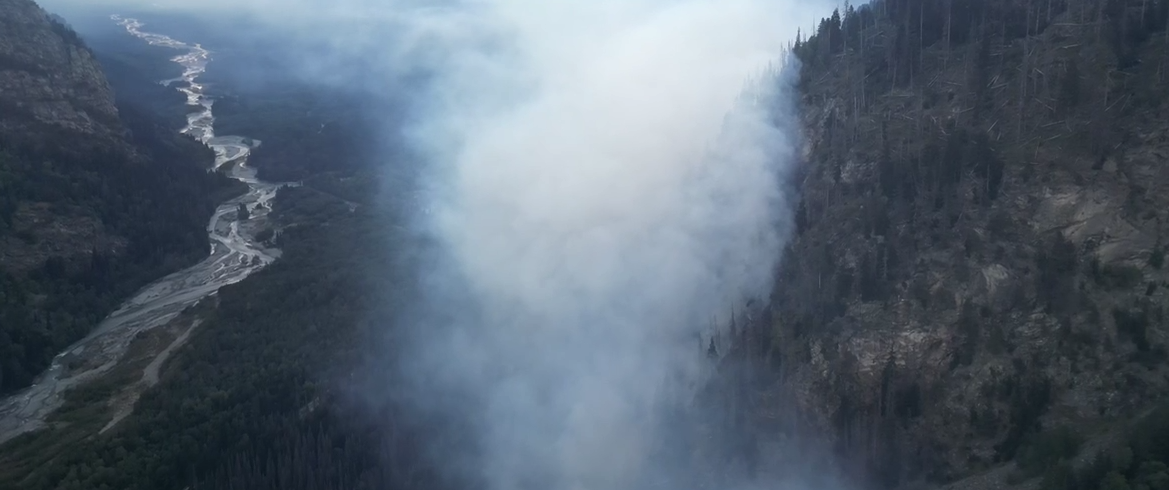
(981, 232)
(97, 197)
(49, 78)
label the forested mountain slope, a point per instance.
(981, 235)
(977, 287)
(255, 398)
(251, 401)
(98, 196)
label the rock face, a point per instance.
(51, 88)
(49, 76)
(981, 234)
(98, 196)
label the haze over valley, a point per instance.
(605, 245)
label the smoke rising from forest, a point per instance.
(604, 181)
(607, 183)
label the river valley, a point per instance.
(235, 254)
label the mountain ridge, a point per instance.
(97, 196)
(50, 76)
(976, 262)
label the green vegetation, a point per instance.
(303, 131)
(264, 235)
(249, 403)
(66, 32)
(1057, 264)
(250, 400)
(86, 220)
(1134, 325)
(941, 134)
(166, 105)
(159, 205)
(1139, 461)
(1046, 450)
(1117, 276)
(237, 403)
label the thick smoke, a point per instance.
(608, 181)
(605, 185)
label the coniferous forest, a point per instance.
(936, 127)
(947, 139)
(142, 203)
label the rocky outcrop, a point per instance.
(98, 196)
(52, 89)
(981, 235)
(49, 77)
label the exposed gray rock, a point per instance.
(926, 326)
(49, 76)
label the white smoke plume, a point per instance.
(610, 177)
(606, 179)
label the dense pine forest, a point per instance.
(939, 319)
(981, 233)
(257, 385)
(250, 401)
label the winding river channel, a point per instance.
(234, 256)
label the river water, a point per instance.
(234, 256)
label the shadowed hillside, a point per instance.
(98, 195)
(975, 296)
(981, 235)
